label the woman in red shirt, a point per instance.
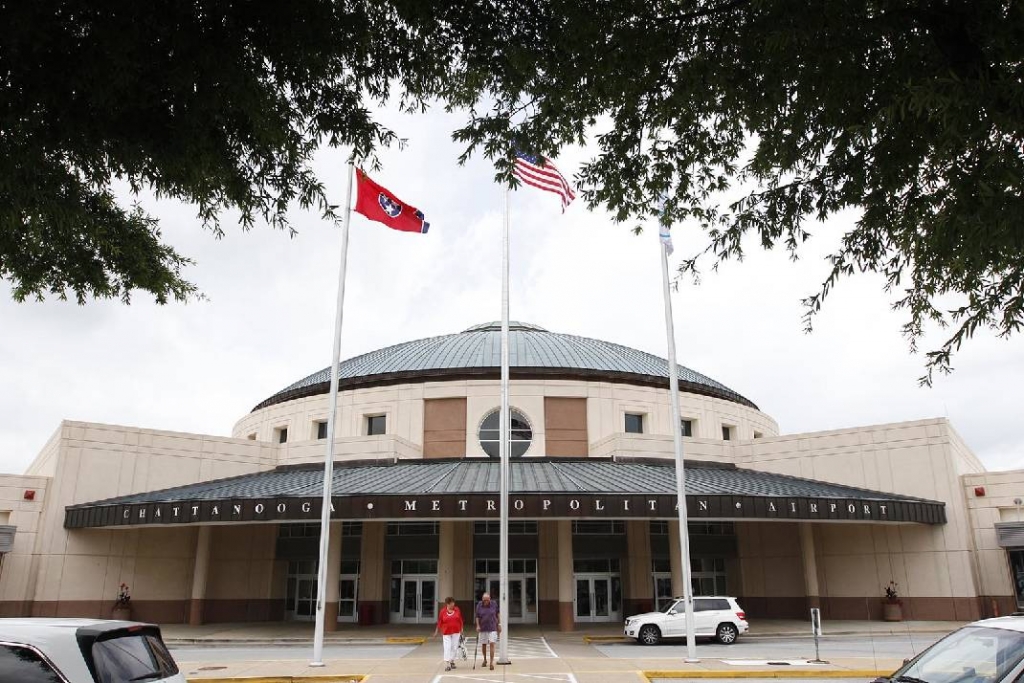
(449, 623)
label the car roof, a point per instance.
(1011, 623)
(706, 597)
(57, 639)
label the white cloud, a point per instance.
(269, 318)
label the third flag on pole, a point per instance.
(664, 231)
(380, 204)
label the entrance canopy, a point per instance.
(540, 488)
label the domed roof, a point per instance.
(475, 353)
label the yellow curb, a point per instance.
(419, 640)
(772, 673)
(336, 678)
(605, 639)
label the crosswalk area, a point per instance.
(523, 647)
(490, 677)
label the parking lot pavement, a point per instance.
(786, 647)
(512, 677)
(755, 680)
(232, 653)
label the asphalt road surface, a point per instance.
(232, 653)
(881, 646)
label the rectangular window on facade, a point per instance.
(758, 435)
(252, 437)
(351, 528)
(376, 424)
(659, 527)
(412, 528)
(321, 429)
(310, 530)
(634, 423)
(727, 432)
(686, 427)
(598, 527)
(596, 565)
(281, 435)
(492, 527)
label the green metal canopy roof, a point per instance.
(533, 352)
(712, 489)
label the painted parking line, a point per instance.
(521, 648)
(505, 676)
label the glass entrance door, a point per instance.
(300, 601)
(598, 598)
(414, 599)
(348, 595)
(522, 588)
(522, 596)
(1017, 574)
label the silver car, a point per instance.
(987, 651)
(84, 651)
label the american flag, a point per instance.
(542, 174)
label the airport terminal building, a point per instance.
(226, 529)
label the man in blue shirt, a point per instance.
(488, 625)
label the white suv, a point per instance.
(83, 651)
(713, 616)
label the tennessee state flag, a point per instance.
(380, 204)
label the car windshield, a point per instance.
(974, 654)
(140, 657)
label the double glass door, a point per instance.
(414, 599)
(300, 602)
(598, 597)
(1017, 574)
(522, 596)
(300, 596)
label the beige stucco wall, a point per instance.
(95, 461)
(996, 505)
(17, 575)
(607, 405)
(89, 462)
(921, 458)
(242, 563)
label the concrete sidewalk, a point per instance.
(289, 633)
(576, 659)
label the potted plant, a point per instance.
(122, 610)
(892, 606)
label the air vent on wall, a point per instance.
(7, 538)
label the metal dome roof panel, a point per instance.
(531, 348)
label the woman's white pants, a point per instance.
(451, 644)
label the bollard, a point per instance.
(816, 631)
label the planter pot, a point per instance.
(121, 614)
(892, 611)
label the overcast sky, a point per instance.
(269, 317)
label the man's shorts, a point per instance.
(488, 637)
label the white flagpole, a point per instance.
(325, 514)
(503, 448)
(677, 440)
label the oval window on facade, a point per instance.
(520, 433)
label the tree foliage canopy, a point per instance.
(910, 112)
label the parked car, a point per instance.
(987, 651)
(83, 651)
(713, 616)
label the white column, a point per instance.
(445, 561)
(810, 564)
(199, 576)
(675, 558)
(566, 581)
(333, 574)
